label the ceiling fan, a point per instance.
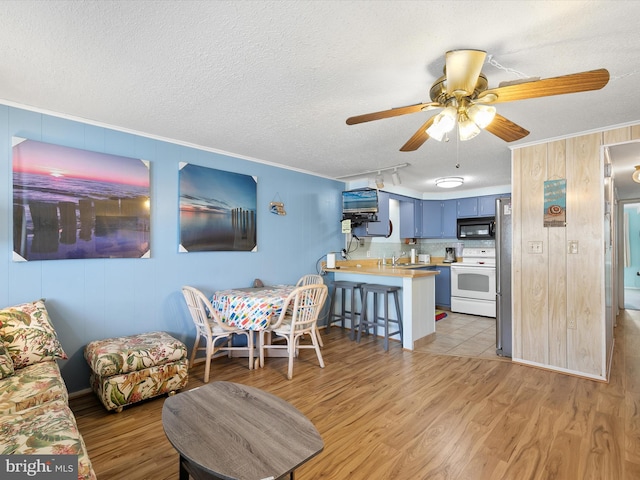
(465, 99)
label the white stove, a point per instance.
(479, 257)
(473, 282)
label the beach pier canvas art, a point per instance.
(217, 210)
(70, 203)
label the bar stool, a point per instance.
(345, 314)
(377, 320)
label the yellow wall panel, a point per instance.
(585, 269)
(534, 286)
(617, 135)
(556, 168)
(516, 254)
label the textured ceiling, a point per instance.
(275, 80)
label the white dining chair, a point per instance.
(304, 304)
(312, 279)
(211, 329)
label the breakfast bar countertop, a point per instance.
(371, 267)
(417, 298)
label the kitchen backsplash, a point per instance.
(434, 247)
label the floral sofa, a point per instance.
(35, 418)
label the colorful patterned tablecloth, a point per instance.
(251, 308)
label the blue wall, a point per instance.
(100, 298)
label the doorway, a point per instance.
(631, 256)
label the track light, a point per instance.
(378, 171)
(379, 181)
(395, 178)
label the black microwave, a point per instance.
(476, 228)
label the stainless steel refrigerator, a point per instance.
(503, 276)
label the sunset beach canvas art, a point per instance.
(70, 203)
(217, 210)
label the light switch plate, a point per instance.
(573, 246)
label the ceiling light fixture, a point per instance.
(481, 115)
(449, 182)
(379, 180)
(443, 123)
(469, 118)
(395, 178)
(636, 174)
(377, 171)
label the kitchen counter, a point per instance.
(386, 271)
(417, 299)
(370, 267)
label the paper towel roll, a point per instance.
(413, 255)
(331, 260)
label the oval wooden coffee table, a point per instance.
(226, 430)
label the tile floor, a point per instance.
(465, 335)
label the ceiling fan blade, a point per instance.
(394, 112)
(506, 129)
(573, 83)
(462, 70)
(418, 138)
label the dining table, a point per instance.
(251, 308)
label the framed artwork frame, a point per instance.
(218, 210)
(70, 203)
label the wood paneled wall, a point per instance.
(559, 317)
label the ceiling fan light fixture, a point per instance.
(443, 123)
(481, 115)
(467, 129)
(435, 132)
(636, 174)
(449, 182)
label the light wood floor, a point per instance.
(414, 415)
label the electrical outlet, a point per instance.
(571, 323)
(534, 247)
(343, 253)
(368, 253)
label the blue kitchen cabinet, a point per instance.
(411, 218)
(449, 219)
(487, 205)
(381, 228)
(439, 218)
(443, 287)
(431, 219)
(467, 207)
(484, 206)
